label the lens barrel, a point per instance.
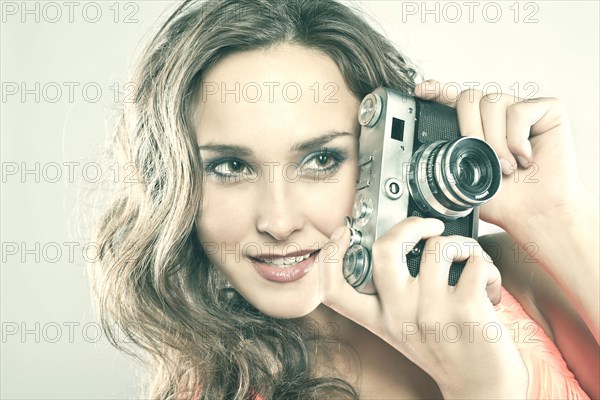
(448, 179)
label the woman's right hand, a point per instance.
(452, 333)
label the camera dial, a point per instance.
(370, 110)
(357, 271)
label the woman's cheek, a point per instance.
(346, 188)
(332, 200)
(223, 217)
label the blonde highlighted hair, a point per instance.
(152, 280)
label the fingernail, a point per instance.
(523, 162)
(507, 168)
(338, 233)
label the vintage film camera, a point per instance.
(413, 161)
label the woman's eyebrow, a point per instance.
(243, 151)
(318, 142)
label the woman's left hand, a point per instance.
(532, 139)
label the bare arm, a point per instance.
(565, 244)
(559, 308)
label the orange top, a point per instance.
(549, 376)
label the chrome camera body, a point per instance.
(414, 162)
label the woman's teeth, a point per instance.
(283, 262)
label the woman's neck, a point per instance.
(337, 342)
(351, 351)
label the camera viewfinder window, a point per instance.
(397, 129)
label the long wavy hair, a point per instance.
(151, 280)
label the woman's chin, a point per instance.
(289, 309)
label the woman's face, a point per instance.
(278, 137)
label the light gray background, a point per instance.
(555, 54)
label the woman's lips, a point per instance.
(284, 274)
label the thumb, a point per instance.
(330, 260)
(336, 247)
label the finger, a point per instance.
(493, 108)
(469, 115)
(433, 90)
(531, 117)
(480, 277)
(436, 259)
(390, 271)
(335, 292)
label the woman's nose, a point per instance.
(279, 209)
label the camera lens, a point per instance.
(448, 179)
(467, 172)
(472, 173)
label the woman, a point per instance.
(223, 260)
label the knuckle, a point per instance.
(480, 266)
(557, 104)
(435, 241)
(461, 246)
(553, 101)
(516, 111)
(479, 263)
(470, 95)
(490, 100)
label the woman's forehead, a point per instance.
(283, 75)
(287, 88)
(281, 64)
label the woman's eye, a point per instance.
(323, 163)
(231, 170)
(324, 160)
(229, 167)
